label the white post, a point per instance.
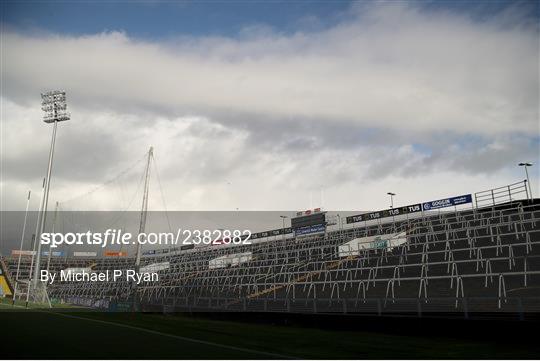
(45, 202)
(53, 229)
(144, 207)
(34, 245)
(529, 182)
(21, 247)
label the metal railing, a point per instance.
(377, 306)
(509, 193)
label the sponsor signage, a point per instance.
(149, 252)
(115, 254)
(54, 253)
(155, 267)
(274, 232)
(308, 212)
(356, 245)
(17, 252)
(84, 254)
(447, 202)
(426, 206)
(230, 260)
(186, 247)
(310, 229)
(385, 213)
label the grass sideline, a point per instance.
(60, 333)
(33, 305)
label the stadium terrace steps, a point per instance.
(463, 261)
(303, 277)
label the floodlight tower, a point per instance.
(53, 103)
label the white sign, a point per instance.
(230, 260)
(388, 241)
(17, 252)
(155, 267)
(84, 254)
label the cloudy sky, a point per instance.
(269, 105)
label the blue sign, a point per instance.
(447, 202)
(54, 253)
(310, 229)
(379, 243)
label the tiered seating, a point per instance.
(488, 254)
(466, 261)
(474, 256)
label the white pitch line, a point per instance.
(209, 343)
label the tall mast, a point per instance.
(144, 208)
(55, 108)
(20, 249)
(53, 229)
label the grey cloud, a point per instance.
(390, 95)
(395, 66)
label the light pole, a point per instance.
(20, 249)
(392, 206)
(525, 165)
(391, 199)
(54, 105)
(283, 229)
(282, 235)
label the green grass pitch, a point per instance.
(80, 334)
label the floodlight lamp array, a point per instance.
(53, 103)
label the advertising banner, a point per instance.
(155, 267)
(230, 260)
(17, 252)
(388, 241)
(310, 230)
(84, 254)
(54, 253)
(385, 213)
(115, 254)
(274, 232)
(447, 202)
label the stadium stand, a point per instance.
(476, 260)
(5, 281)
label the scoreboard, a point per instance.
(308, 220)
